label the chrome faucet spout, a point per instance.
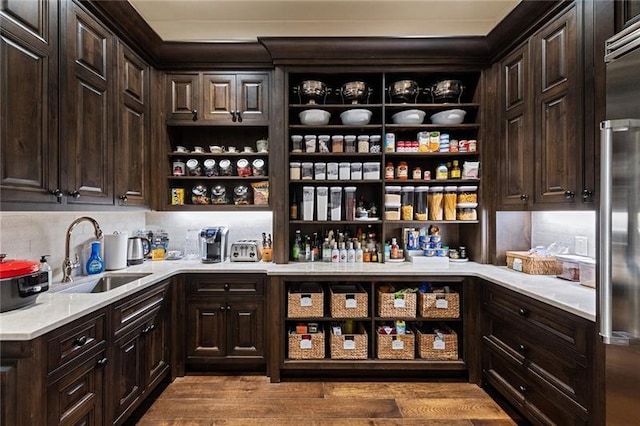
(69, 265)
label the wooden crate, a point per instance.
(306, 346)
(348, 301)
(350, 346)
(439, 305)
(528, 263)
(390, 307)
(396, 346)
(305, 301)
(438, 346)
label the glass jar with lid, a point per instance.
(420, 204)
(407, 203)
(241, 195)
(435, 201)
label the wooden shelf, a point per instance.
(218, 154)
(432, 181)
(432, 126)
(333, 182)
(315, 155)
(431, 154)
(431, 106)
(335, 222)
(428, 222)
(335, 127)
(216, 207)
(247, 178)
(334, 106)
(373, 363)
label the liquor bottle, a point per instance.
(293, 208)
(295, 249)
(326, 251)
(455, 170)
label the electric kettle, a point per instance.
(137, 249)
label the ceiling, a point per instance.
(246, 20)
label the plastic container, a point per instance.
(95, 264)
(420, 210)
(350, 143)
(337, 143)
(407, 202)
(308, 195)
(295, 171)
(350, 202)
(306, 171)
(450, 201)
(392, 195)
(435, 202)
(570, 266)
(296, 143)
(356, 171)
(324, 141)
(374, 144)
(467, 194)
(310, 143)
(588, 273)
(322, 200)
(344, 171)
(332, 171)
(371, 171)
(320, 171)
(392, 211)
(466, 211)
(336, 203)
(363, 143)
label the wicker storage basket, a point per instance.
(532, 264)
(439, 305)
(438, 346)
(396, 346)
(305, 302)
(390, 307)
(348, 301)
(349, 346)
(306, 346)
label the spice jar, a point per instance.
(420, 209)
(435, 201)
(389, 172)
(450, 197)
(241, 195)
(402, 171)
(363, 143)
(407, 203)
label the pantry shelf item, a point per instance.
(450, 116)
(356, 117)
(410, 116)
(437, 344)
(314, 117)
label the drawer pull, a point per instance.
(222, 308)
(522, 388)
(522, 348)
(148, 328)
(80, 341)
(226, 286)
(523, 312)
(102, 362)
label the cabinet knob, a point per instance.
(148, 328)
(228, 307)
(569, 195)
(522, 348)
(57, 193)
(222, 308)
(226, 286)
(523, 312)
(194, 115)
(102, 362)
(74, 194)
(587, 195)
(524, 197)
(124, 198)
(239, 117)
(80, 341)
(522, 388)
(233, 116)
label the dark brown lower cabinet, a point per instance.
(225, 321)
(539, 358)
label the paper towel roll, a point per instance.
(115, 251)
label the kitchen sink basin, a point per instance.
(104, 283)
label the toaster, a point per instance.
(246, 251)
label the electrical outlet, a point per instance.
(581, 245)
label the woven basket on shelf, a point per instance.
(403, 348)
(446, 348)
(533, 264)
(311, 348)
(305, 304)
(439, 305)
(390, 307)
(349, 346)
(348, 301)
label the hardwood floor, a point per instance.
(253, 400)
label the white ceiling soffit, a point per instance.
(246, 20)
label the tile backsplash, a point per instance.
(28, 235)
(564, 226)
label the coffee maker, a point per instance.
(214, 244)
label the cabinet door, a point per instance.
(87, 105)
(206, 329)
(128, 375)
(29, 101)
(157, 344)
(132, 147)
(220, 97)
(245, 320)
(252, 98)
(184, 97)
(558, 147)
(517, 140)
(77, 397)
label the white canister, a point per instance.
(115, 251)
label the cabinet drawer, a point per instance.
(567, 374)
(128, 312)
(76, 339)
(561, 332)
(218, 285)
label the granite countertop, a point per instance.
(55, 308)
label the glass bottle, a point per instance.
(326, 251)
(95, 264)
(297, 242)
(455, 170)
(293, 208)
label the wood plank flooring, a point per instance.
(253, 400)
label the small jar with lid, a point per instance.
(225, 168)
(199, 195)
(258, 167)
(210, 167)
(306, 171)
(435, 201)
(241, 195)
(350, 143)
(375, 144)
(337, 143)
(402, 171)
(295, 170)
(416, 173)
(467, 211)
(407, 203)
(389, 171)
(193, 167)
(296, 143)
(219, 195)
(242, 167)
(324, 141)
(363, 143)
(467, 194)
(392, 195)
(450, 197)
(420, 204)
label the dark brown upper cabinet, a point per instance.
(184, 97)
(29, 99)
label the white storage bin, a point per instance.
(371, 171)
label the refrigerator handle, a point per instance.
(604, 260)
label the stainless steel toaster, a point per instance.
(246, 251)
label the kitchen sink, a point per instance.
(104, 283)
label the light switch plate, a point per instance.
(581, 245)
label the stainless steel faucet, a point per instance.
(67, 264)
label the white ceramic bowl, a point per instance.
(356, 117)
(450, 116)
(314, 117)
(410, 116)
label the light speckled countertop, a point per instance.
(53, 309)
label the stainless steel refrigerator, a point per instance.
(619, 227)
